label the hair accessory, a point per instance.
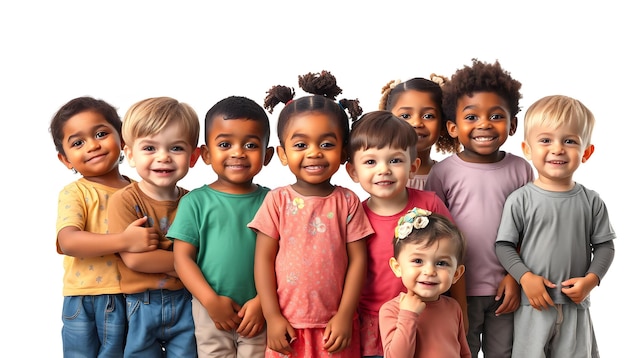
(340, 106)
(415, 218)
(393, 84)
(74, 170)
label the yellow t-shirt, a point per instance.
(83, 204)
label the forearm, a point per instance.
(157, 261)
(509, 259)
(190, 274)
(603, 255)
(265, 275)
(77, 243)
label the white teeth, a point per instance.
(483, 139)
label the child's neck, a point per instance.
(473, 157)
(322, 189)
(160, 193)
(111, 179)
(233, 188)
(388, 206)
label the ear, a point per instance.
(351, 169)
(588, 152)
(195, 155)
(460, 270)
(395, 267)
(452, 129)
(206, 155)
(414, 167)
(513, 127)
(282, 155)
(128, 152)
(527, 150)
(269, 153)
(64, 161)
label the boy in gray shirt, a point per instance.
(555, 237)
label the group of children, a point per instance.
(443, 259)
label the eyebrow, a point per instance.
(228, 135)
(473, 106)
(324, 135)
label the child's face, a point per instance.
(237, 151)
(161, 160)
(92, 145)
(483, 124)
(555, 154)
(428, 271)
(422, 113)
(383, 173)
(313, 147)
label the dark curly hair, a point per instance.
(79, 105)
(480, 77)
(324, 90)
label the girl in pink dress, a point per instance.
(310, 257)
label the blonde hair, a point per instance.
(150, 116)
(557, 110)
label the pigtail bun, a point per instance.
(323, 83)
(353, 107)
(276, 95)
(439, 79)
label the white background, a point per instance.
(124, 51)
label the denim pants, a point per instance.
(93, 326)
(160, 324)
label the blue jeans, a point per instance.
(93, 326)
(160, 324)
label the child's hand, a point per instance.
(578, 288)
(411, 302)
(535, 288)
(280, 334)
(512, 295)
(338, 333)
(140, 238)
(252, 320)
(223, 312)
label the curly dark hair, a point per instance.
(79, 105)
(324, 90)
(480, 77)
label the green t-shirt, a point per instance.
(216, 223)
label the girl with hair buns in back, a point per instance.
(419, 102)
(310, 254)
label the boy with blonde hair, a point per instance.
(161, 136)
(555, 237)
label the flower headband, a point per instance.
(415, 218)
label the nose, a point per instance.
(429, 269)
(383, 168)
(556, 148)
(163, 155)
(416, 121)
(236, 152)
(483, 123)
(93, 144)
(314, 152)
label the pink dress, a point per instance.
(312, 259)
